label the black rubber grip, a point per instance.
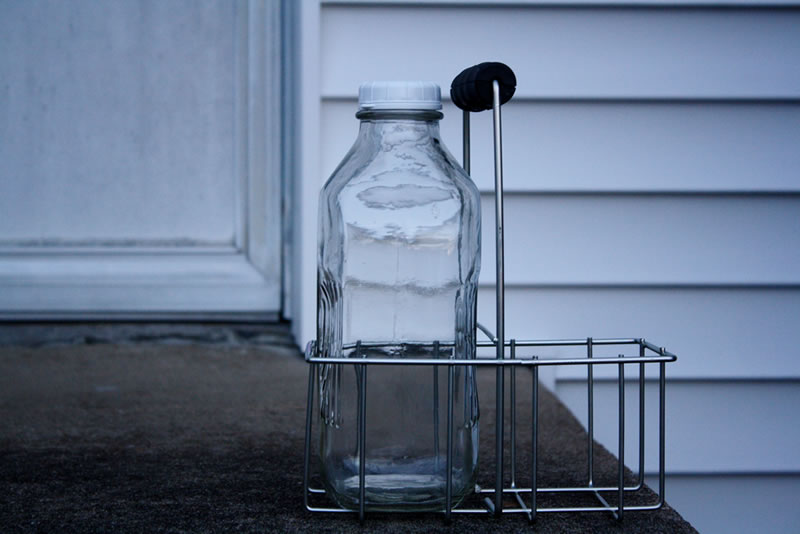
(472, 89)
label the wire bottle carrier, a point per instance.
(478, 88)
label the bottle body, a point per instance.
(398, 265)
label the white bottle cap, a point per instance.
(399, 95)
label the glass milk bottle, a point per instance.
(398, 264)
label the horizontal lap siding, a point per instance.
(744, 440)
(580, 146)
(570, 52)
(716, 333)
(652, 173)
(646, 240)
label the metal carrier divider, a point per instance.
(648, 353)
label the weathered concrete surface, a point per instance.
(208, 438)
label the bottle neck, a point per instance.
(388, 129)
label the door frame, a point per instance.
(243, 281)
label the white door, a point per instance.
(139, 158)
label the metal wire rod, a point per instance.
(328, 510)
(641, 417)
(561, 489)
(519, 342)
(307, 446)
(488, 333)
(520, 510)
(662, 394)
(500, 290)
(465, 148)
(654, 348)
(532, 362)
(590, 409)
(612, 509)
(621, 413)
(605, 503)
(436, 407)
(449, 478)
(489, 510)
(522, 506)
(362, 441)
(566, 342)
(513, 401)
(480, 511)
(534, 440)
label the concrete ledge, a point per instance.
(208, 438)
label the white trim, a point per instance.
(263, 121)
(48, 286)
(307, 178)
(241, 76)
(290, 34)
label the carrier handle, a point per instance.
(471, 90)
(478, 88)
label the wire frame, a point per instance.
(527, 499)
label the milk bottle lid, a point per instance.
(399, 95)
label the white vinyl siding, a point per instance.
(615, 146)
(713, 426)
(568, 52)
